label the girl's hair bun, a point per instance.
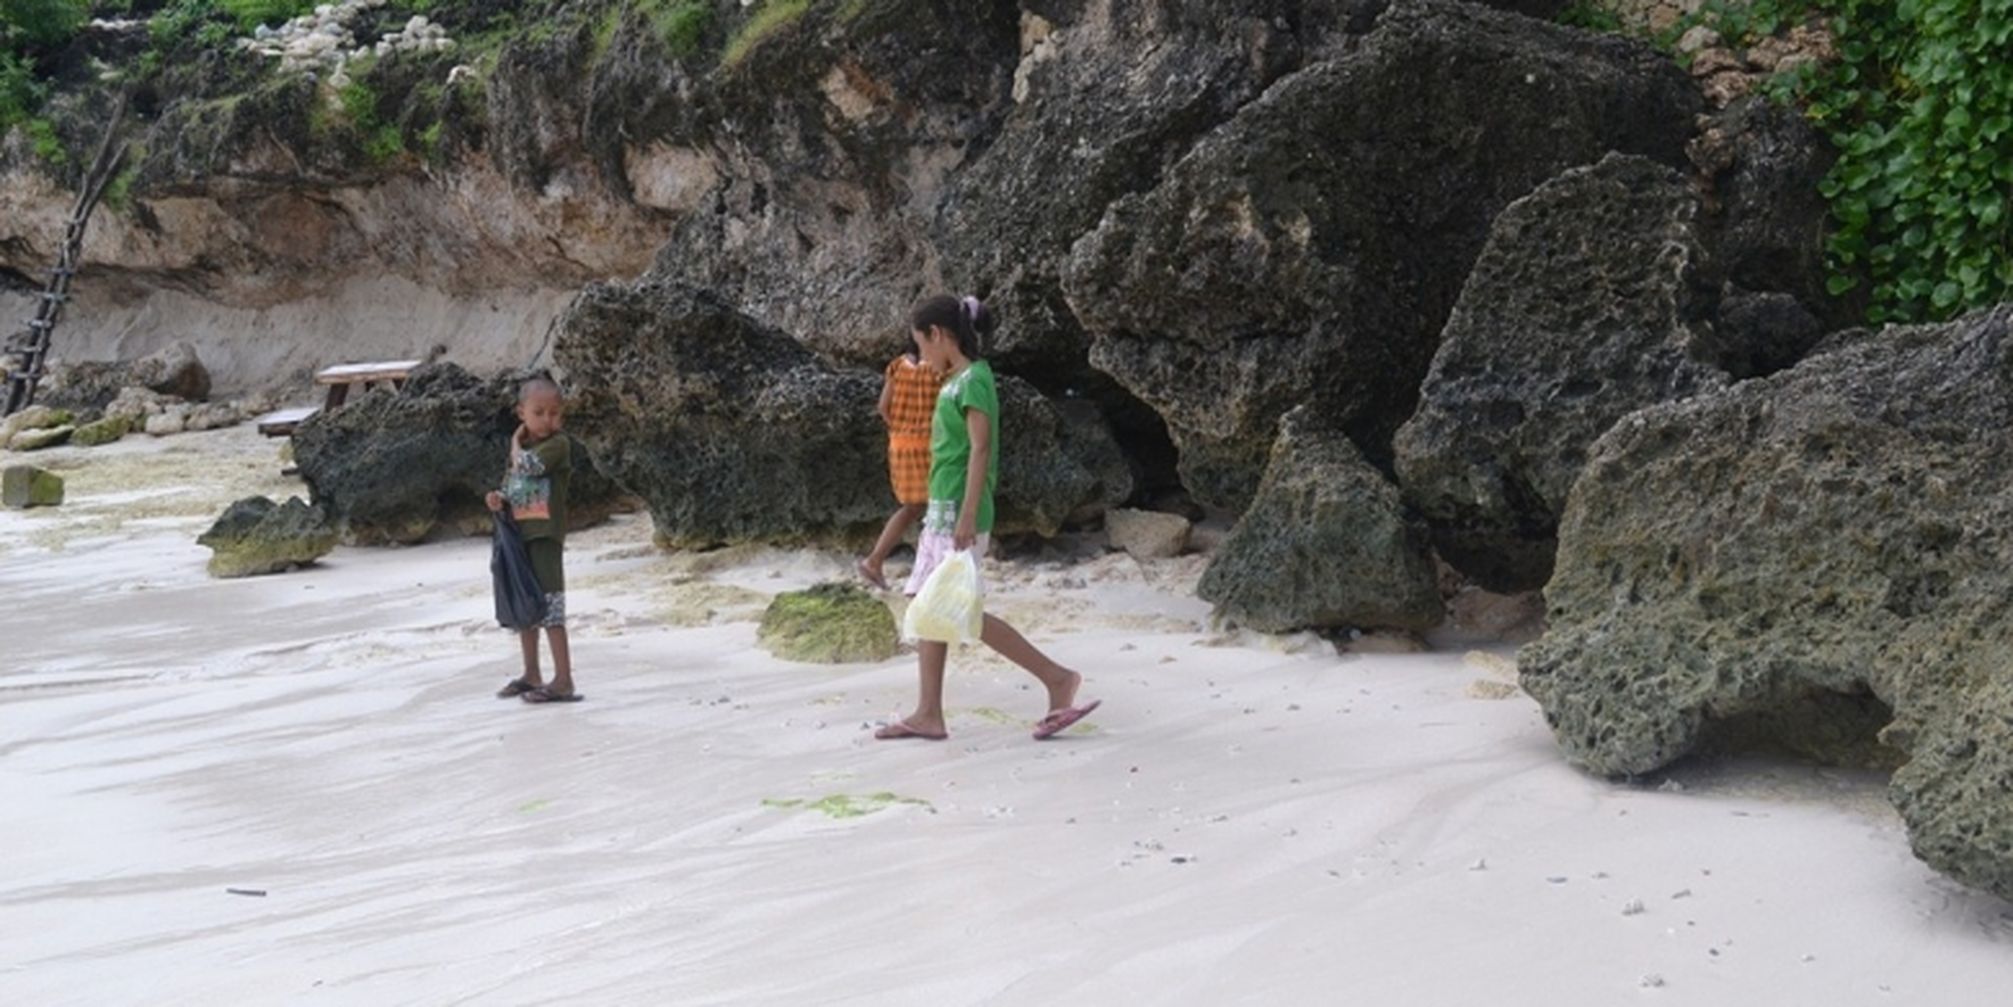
(977, 314)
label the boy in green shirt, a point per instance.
(535, 488)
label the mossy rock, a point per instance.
(45, 437)
(829, 624)
(24, 486)
(32, 418)
(106, 431)
(257, 536)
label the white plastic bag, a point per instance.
(951, 606)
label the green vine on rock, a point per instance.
(1919, 106)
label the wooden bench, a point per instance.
(283, 422)
(340, 377)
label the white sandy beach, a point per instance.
(1247, 820)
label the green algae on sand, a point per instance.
(847, 805)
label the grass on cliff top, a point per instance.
(769, 18)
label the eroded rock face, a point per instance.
(92, 385)
(1310, 249)
(732, 431)
(391, 466)
(1106, 94)
(1767, 224)
(1593, 298)
(257, 536)
(1797, 550)
(1325, 544)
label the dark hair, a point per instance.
(965, 317)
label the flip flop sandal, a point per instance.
(546, 695)
(900, 729)
(1060, 720)
(516, 687)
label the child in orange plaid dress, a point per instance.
(908, 400)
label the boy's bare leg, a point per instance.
(1061, 682)
(527, 639)
(562, 659)
(929, 715)
(898, 525)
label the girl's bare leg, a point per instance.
(891, 536)
(1061, 682)
(929, 715)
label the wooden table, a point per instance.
(340, 377)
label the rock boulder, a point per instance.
(1820, 552)
(1592, 298)
(732, 431)
(25, 486)
(257, 536)
(391, 466)
(37, 417)
(1325, 544)
(1310, 249)
(93, 385)
(829, 624)
(1147, 534)
(106, 431)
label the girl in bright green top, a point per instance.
(964, 471)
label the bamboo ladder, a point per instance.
(29, 350)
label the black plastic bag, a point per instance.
(520, 602)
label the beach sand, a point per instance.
(1247, 820)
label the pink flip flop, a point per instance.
(1060, 720)
(900, 729)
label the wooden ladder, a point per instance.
(29, 351)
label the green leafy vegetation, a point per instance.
(30, 30)
(272, 13)
(35, 23)
(1591, 15)
(382, 140)
(20, 92)
(770, 17)
(1919, 106)
(682, 24)
(47, 145)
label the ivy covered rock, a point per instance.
(829, 624)
(1819, 553)
(24, 486)
(1325, 544)
(257, 536)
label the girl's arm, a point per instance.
(980, 427)
(887, 399)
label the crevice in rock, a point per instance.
(1826, 727)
